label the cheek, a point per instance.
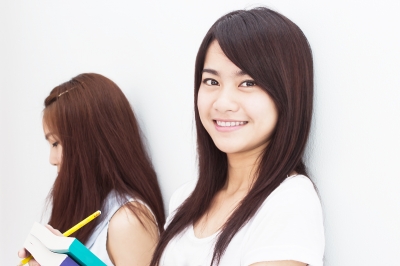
(59, 154)
(203, 103)
(264, 110)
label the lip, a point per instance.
(238, 124)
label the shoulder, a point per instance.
(125, 220)
(294, 188)
(130, 233)
(181, 194)
(295, 199)
(288, 225)
(297, 182)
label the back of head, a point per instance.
(102, 151)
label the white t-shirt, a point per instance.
(288, 226)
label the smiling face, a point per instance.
(55, 147)
(239, 115)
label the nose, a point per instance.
(53, 157)
(226, 100)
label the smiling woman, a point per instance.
(253, 203)
(235, 111)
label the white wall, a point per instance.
(148, 48)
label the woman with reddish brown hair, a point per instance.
(102, 165)
(253, 203)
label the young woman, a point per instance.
(253, 203)
(102, 165)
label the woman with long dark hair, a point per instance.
(102, 165)
(253, 203)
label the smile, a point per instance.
(230, 124)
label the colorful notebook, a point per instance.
(49, 249)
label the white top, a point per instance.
(97, 242)
(288, 226)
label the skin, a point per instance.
(131, 239)
(228, 96)
(55, 157)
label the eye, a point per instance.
(248, 83)
(210, 82)
(55, 144)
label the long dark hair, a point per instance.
(102, 151)
(276, 54)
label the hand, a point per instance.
(54, 231)
(23, 253)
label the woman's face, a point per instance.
(55, 147)
(239, 116)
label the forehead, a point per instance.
(215, 57)
(217, 63)
(48, 134)
(45, 127)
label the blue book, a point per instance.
(49, 249)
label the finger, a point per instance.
(23, 253)
(54, 231)
(49, 226)
(33, 262)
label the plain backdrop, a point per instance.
(148, 48)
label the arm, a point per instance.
(130, 242)
(279, 263)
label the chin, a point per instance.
(227, 148)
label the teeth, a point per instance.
(230, 124)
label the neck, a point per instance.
(242, 169)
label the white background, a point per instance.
(148, 48)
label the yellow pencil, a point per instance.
(81, 224)
(69, 232)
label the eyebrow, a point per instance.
(216, 73)
(211, 71)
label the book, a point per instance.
(45, 256)
(52, 250)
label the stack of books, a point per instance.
(49, 249)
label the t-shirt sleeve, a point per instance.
(288, 226)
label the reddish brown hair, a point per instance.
(102, 151)
(275, 53)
